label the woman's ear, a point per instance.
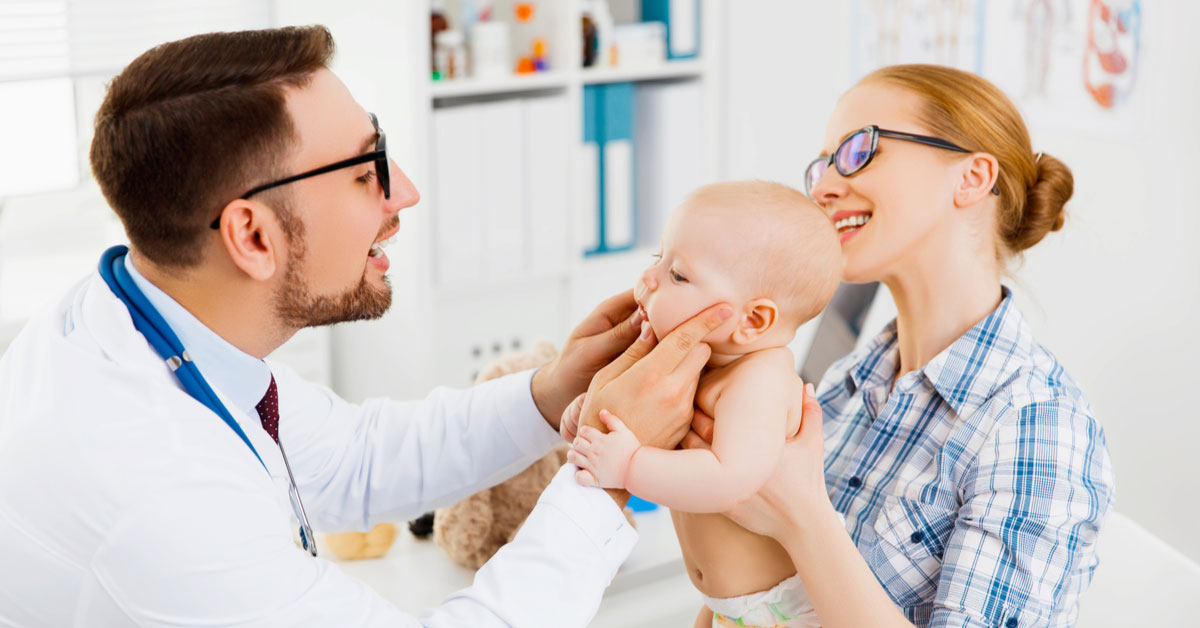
(980, 174)
(758, 318)
(247, 229)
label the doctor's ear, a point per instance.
(758, 318)
(250, 232)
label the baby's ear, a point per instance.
(758, 318)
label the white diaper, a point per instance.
(786, 605)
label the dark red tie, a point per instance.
(268, 411)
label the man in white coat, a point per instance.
(255, 192)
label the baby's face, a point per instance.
(691, 272)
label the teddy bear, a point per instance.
(474, 529)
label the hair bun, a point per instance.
(1044, 203)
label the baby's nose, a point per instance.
(648, 279)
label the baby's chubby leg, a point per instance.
(704, 619)
(603, 459)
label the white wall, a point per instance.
(1112, 294)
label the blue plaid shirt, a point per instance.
(976, 488)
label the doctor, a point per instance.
(151, 462)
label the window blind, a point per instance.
(54, 38)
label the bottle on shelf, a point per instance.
(597, 23)
(437, 24)
(450, 55)
(588, 24)
(490, 49)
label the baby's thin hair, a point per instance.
(799, 260)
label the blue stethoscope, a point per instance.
(150, 323)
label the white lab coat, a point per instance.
(124, 502)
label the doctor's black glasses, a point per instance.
(857, 150)
(379, 156)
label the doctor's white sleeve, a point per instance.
(386, 460)
(215, 549)
(555, 570)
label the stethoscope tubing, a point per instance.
(158, 333)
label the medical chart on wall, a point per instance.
(945, 32)
(1070, 63)
(1066, 63)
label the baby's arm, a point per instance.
(751, 418)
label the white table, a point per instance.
(651, 588)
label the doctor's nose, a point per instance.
(403, 192)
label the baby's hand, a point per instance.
(568, 425)
(603, 459)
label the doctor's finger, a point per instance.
(610, 314)
(644, 345)
(677, 346)
(616, 339)
(693, 362)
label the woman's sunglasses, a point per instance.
(857, 150)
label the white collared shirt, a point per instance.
(240, 377)
(123, 501)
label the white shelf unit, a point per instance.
(515, 85)
(561, 297)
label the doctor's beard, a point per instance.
(298, 307)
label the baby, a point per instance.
(768, 251)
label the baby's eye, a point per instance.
(677, 277)
(657, 257)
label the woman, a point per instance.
(970, 470)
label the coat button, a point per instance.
(917, 537)
(1011, 623)
(855, 482)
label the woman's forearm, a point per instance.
(842, 587)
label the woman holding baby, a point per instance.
(962, 478)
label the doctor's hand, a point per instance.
(652, 385)
(602, 336)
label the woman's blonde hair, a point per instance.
(970, 111)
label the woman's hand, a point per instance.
(794, 490)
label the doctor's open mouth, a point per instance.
(387, 234)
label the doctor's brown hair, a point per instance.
(191, 124)
(972, 112)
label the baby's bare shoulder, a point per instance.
(762, 370)
(774, 359)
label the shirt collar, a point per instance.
(241, 377)
(967, 372)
